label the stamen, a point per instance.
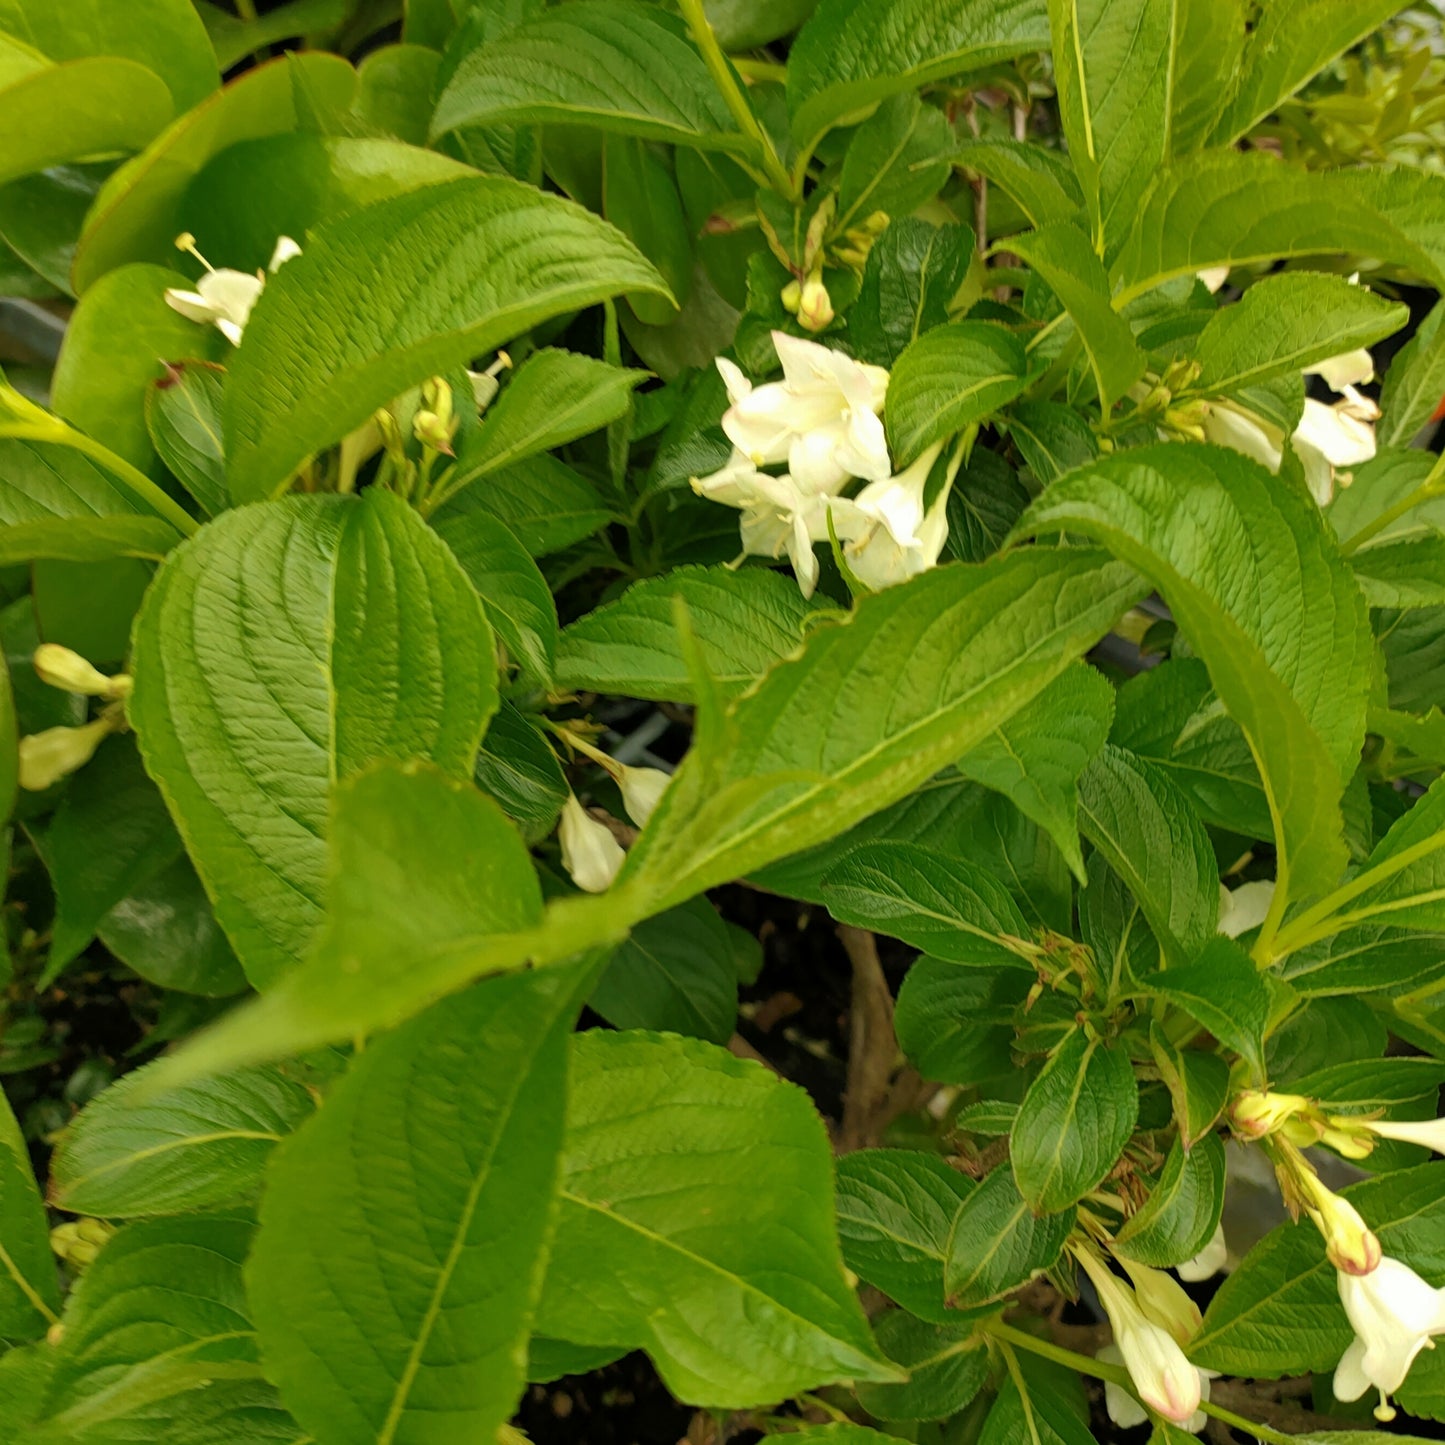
(187, 242)
(1384, 1412)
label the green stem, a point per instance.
(717, 63)
(131, 478)
(1432, 486)
(1118, 1375)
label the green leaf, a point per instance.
(285, 185)
(1225, 207)
(1388, 480)
(120, 337)
(1035, 758)
(1407, 573)
(895, 1212)
(183, 417)
(543, 501)
(948, 379)
(947, 1365)
(913, 271)
(519, 769)
(805, 758)
(78, 109)
(968, 671)
(1292, 669)
(29, 1289)
(87, 539)
(854, 53)
(1279, 1313)
(1154, 841)
(988, 497)
(1073, 1123)
(956, 1024)
(142, 207)
(941, 905)
(609, 63)
(1041, 182)
(1038, 1414)
(1182, 1211)
(160, 1314)
(746, 621)
(1224, 991)
(672, 1236)
(110, 845)
(1287, 47)
(1170, 716)
(1051, 438)
(394, 89)
(307, 623)
(1285, 323)
(482, 260)
(1198, 1083)
(998, 1243)
(516, 597)
(40, 481)
(1414, 384)
(196, 1147)
(676, 973)
(555, 397)
(1113, 67)
(439, 1149)
(1061, 254)
(894, 162)
(1208, 41)
(640, 197)
(165, 35)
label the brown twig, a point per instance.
(872, 1044)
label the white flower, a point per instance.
(642, 790)
(1352, 368)
(822, 418)
(1228, 425)
(778, 516)
(589, 851)
(1208, 1262)
(1126, 1412)
(892, 536)
(1429, 1132)
(1394, 1314)
(1163, 1378)
(1245, 907)
(225, 297)
(1331, 438)
(1328, 439)
(48, 756)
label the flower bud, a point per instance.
(815, 309)
(1350, 1245)
(47, 757)
(1164, 1302)
(59, 667)
(590, 854)
(434, 431)
(1163, 1379)
(1256, 1113)
(792, 295)
(642, 790)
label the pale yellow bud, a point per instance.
(59, 667)
(1164, 1301)
(1350, 1245)
(1256, 1113)
(590, 854)
(791, 297)
(47, 757)
(815, 308)
(642, 790)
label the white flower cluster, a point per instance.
(1328, 441)
(822, 421)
